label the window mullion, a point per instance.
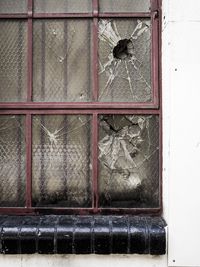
(95, 161)
(28, 160)
(30, 51)
(95, 50)
(154, 50)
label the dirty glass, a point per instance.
(128, 158)
(13, 60)
(62, 6)
(124, 6)
(13, 6)
(12, 161)
(61, 60)
(61, 152)
(125, 60)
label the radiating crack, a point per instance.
(129, 53)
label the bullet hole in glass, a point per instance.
(123, 49)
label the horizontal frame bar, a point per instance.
(14, 16)
(76, 15)
(80, 111)
(77, 105)
(79, 211)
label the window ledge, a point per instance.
(98, 234)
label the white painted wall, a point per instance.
(183, 30)
(181, 155)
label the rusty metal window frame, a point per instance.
(94, 108)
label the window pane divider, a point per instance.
(155, 56)
(28, 160)
(30, 51)
(95, 161)
(77, 105)
(82, 211)
(81, 111)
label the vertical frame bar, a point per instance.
(154, 52)
(30, 51)
(95, 199)
(28, 160)
(156, 67)
(159, 3)
(95, 50)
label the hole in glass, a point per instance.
(123, 49)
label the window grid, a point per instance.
(95, 108)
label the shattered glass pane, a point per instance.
(12, 161)
(129, 156)
(13, 60)
(125, 60)
(10, 6)
(61, 161)
(124, 5)
(61, 60)
(63, 6)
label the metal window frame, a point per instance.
(95, 108)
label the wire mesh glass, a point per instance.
(62, 60)
(12, 161)
(125, 60)
(13, 6)
(61, 172)
(124, 6)
(129, 161)
(13, 60)
(63, 6)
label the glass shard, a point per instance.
(61, 60)
(129, 156)
(125, 60)
(61, 161)
(13, 60)
(12, 161)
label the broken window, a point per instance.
(80, 117)
(124, 60)
(128, 155)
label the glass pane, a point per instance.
(61, 161)
(124, 5)
(62, 64)
(13, 60)
(63, 6)
(129, 156)
(125, 60)
(12, 161)
(13, 6)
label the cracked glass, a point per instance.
(128, 159)
(61, 153)
(62, 60)
(12, 161)
(125, 60)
